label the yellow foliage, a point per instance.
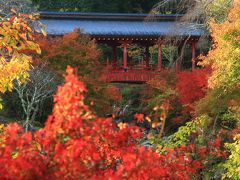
(16, 43)
(122, 125)
(225, 54)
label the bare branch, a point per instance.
(41, 85)
(22, 6)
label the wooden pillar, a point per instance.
(142, 64)
(159, 64)
(193, 55)
(107, 62)
(179, 58)
(125, 56)
(114, 56)
(147, 56)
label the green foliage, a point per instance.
(169, 54)
(218, 9)
(232, 165)
(135, 52)
(182, 136)
(130, 102)
(132, 6)
(220, 107)
(12, 105)
(191, 131)
(166, 6)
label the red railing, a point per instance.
(130, 75)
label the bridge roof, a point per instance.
(119, 25)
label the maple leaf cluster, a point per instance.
(139, 117)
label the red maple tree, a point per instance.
(191, 86)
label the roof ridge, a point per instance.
(93, 15)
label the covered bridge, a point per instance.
(124, 29)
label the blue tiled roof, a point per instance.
(111, 25)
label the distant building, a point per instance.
(124, 29)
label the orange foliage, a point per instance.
(114, 92)
(80, 52)
(71, 48)
(139, 117)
